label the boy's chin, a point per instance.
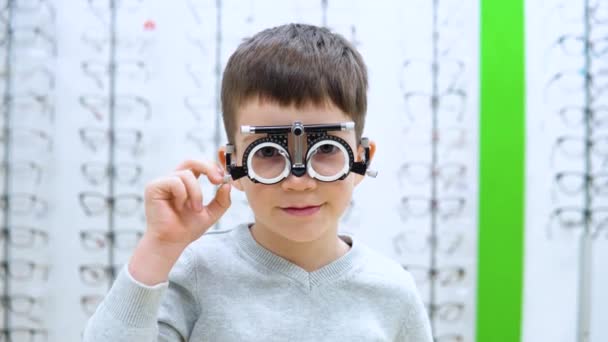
(302, 232)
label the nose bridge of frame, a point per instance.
(298, 141)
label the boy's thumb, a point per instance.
(220, 203)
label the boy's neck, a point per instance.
(310, 256)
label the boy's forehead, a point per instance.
(259, 112)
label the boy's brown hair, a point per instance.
(295, 64)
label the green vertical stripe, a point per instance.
(501, 196)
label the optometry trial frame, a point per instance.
(318, 140)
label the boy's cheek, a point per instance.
(247, 185)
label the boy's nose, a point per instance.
(295, 183)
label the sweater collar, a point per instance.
(261, 255)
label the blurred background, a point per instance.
(500, 217)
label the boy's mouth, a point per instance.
(302, 210)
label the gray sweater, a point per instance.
(227, 287)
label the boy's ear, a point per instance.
(360, 152)
(221, 154)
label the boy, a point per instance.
(290, 95)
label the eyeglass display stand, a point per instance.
(111, 156)
(324, 13)
(433, 179)
(7, 157)
(583, 330)
(218, 82)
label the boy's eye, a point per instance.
(267, 152)
(327, 149)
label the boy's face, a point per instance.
(271, 203)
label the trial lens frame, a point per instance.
(314, 133)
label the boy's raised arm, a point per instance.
(175, 217)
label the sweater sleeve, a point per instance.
(180, 309)
(134, 312)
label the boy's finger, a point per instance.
(220, 203)
(170, 188)
(193, 189)
(199, 167)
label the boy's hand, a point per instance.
(176, 216)
(175, 213)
